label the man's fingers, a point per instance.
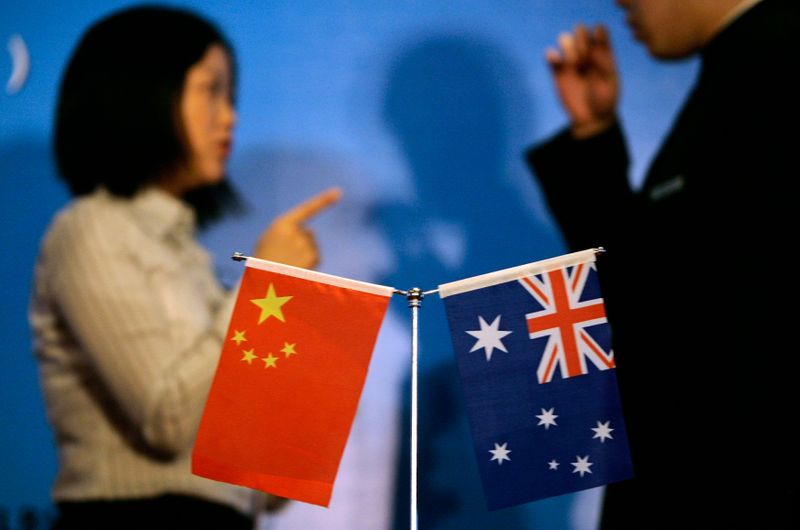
(308, 209)
(602, 56)
(582, 38)
(566, 43)
(553, 58)
(600, 36)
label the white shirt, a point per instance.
(128, 321)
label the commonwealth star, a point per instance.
(489, 337)
(547, 418)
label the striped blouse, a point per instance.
(128, 321)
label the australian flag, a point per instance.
(537, 369)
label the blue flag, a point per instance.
(537, 369)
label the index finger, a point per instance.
(311, 207)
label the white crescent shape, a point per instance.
(21, 64)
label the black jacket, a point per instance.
(699, 286)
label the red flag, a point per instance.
(288, 380)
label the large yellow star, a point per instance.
(270, 361)
(271, 305)
(238, 337)
(249, 355)
(288, 349)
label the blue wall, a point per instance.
(420, 111)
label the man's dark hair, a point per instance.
(118, 121)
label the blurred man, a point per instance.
(694, 281)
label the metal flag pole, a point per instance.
(414, 297)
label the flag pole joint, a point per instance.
(414, 297)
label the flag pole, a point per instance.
(414, 297)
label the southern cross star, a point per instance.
(500, 453)
(582, 465)
(602, 431)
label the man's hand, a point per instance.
(586, 79)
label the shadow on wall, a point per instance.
(452, 103)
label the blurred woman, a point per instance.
(127, 315)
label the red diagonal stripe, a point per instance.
(564, 319)
(600, 353)
(533, 286)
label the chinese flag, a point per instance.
(288, 381)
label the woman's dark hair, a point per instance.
(118, 117)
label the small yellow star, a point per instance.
(270, 361)
(238, 337)
(271, 305)
(288, 349)
(249, 355)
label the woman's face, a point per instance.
(208, 119)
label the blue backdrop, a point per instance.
(420, 111)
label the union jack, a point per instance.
(564, 318)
